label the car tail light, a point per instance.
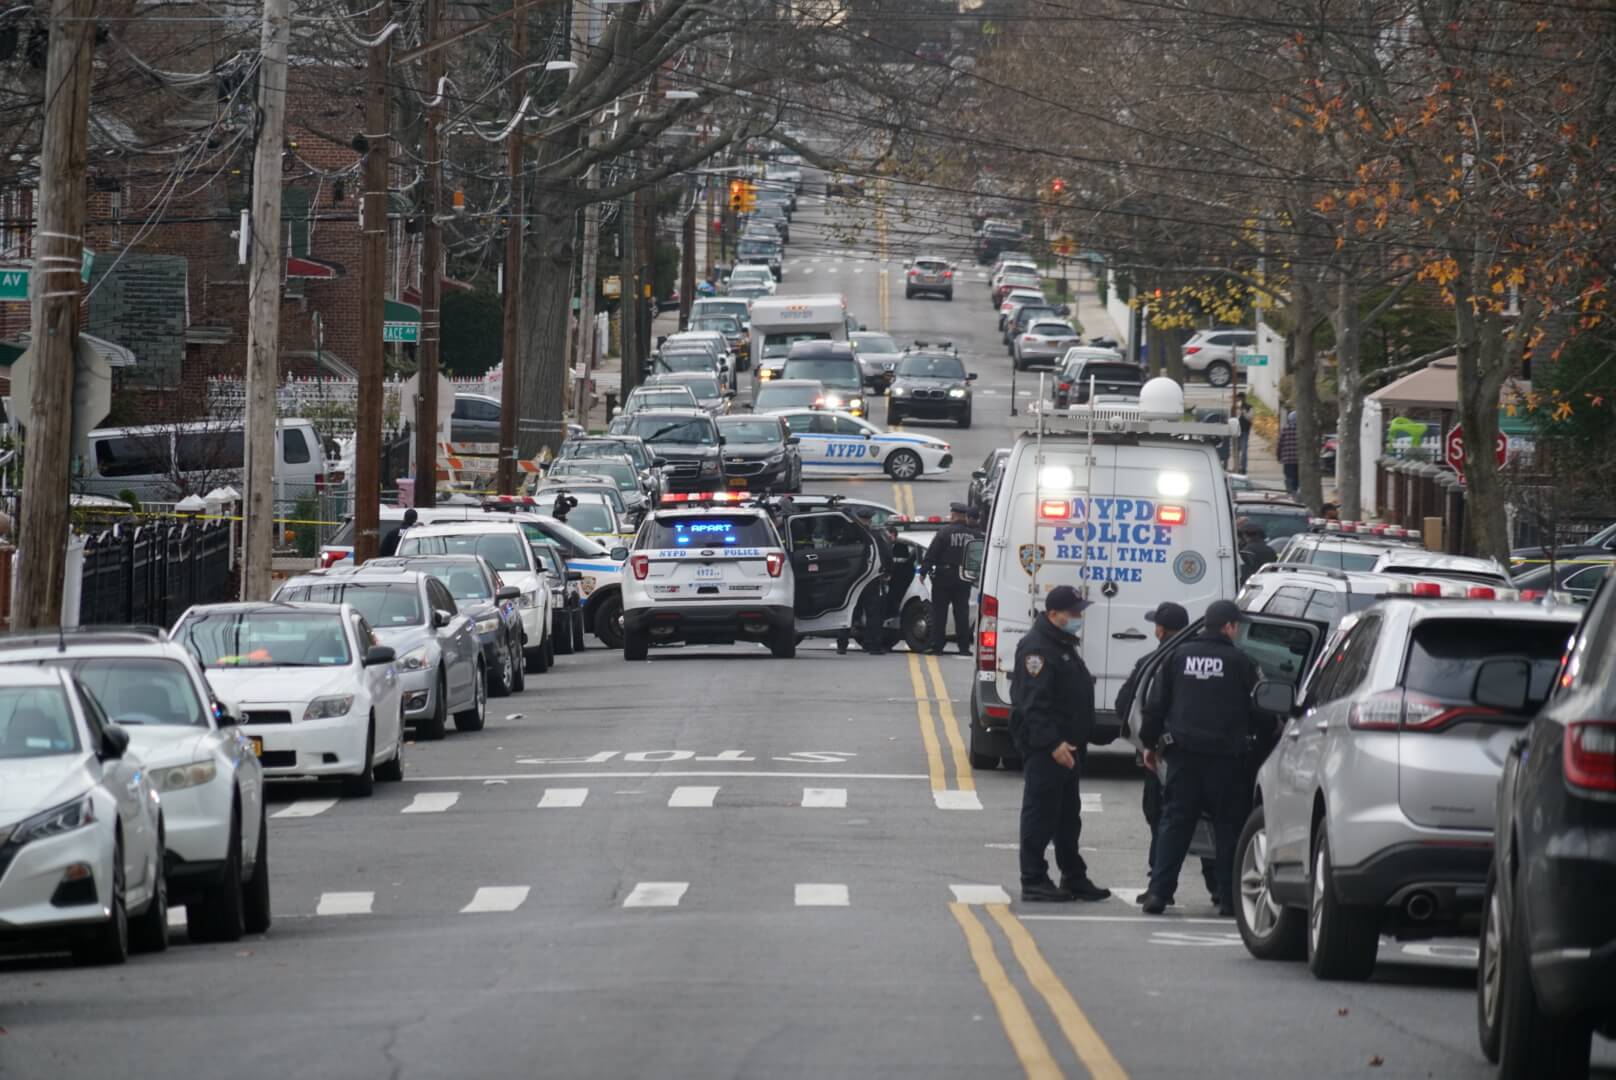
(775, 561)
(913, 272)
(987, 633)
(1590, 755)
(1394, 710)
(1192, 350)
(641, 565)
(1482, 592)
(319, 481)
(1065, 386)
(948, 273)
(1532, 594)
(1029, 337)
(1171, 515)
(1377, 712)
(1426, 588)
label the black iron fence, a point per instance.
(151, 573)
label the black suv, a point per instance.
(930, 382)
(1547, 971)
(686, 441)
(996, 237)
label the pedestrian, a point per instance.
(948, 591)
(872, 604)
(1051, 716)
(1330, 511)
(1198, 720)
(1254, 550)
(1242, 411)
(1168, 618)
(1287, 451)
(389, 544)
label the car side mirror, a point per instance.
(869, 435)
(377, 655)
(863, 327)
(114, 741)
(659, 463)
(1502, 683)
(619, 553)
(441, 618)
(223, 716)
(507, 592)
(978, 474)
(971, 565)
(793, 440)
(1274, 696)
(575, 575)
(971, 377)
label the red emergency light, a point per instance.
(1171, 515)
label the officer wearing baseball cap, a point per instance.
(950, 592)
(1051, 715)
(1198, 717)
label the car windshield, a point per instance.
(633, 451)
(768, 397)
(831, 372)
(1276, 524)
(932, 367)
(751, 431)
(679, 431)
(36, 721)
(874, 343)
(1445, 654)
(143, 690)
(740, 530)
(503, 550)
(266, 638)
(463, 580)
(1337, 559)
(742, 275)
(735, 309)
(753, 248)
(384, 605)
(591, 518)
(702, 388)
(724, 324)
(685, 361)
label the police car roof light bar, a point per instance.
(708, 498)
(1361, 528)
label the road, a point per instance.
(718, 864)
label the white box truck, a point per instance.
(780, 321)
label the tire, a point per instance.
(1490, 971)
(391, 771)
(636, 645)
(577, 631)
(561, 637)
(222, 915)
(965, 419)
(894, 417)
(362, 785)
(255, 893)
(1530, 1043)
(474, 718)
(550, 648)
(1271, 931)
(149, 932)
(609, 621)
(904, 465)
(1341, 941)
(518, 666)
(949, 296)
(1019, 365)
(985, 762)
(109, 943)
(916, 621)
(431, 728)
(784, 644)
(908, 294)
(502, 676)
(1218, 374)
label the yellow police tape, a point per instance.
(108, 511)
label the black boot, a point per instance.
(1045, 892)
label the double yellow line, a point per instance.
(1030, 1047)
(935, 767)
(903, 499)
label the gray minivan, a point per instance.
(166, 462)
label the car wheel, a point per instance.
(1019, 365)
(221, 915)
(908, 294)
(783, 644)
(109, 942)
(985, 762)
(431, 728)
(1270, 930)
(1531, 1043)
(362, 784)
(561, 636)
(636, 644)
(1490, 970)
(894, 417)
(537, 659)
(149, 932)
(949, 296)
(392, 770)
(577, 631)
(472, 719)
(518, 668)
(1341, 941)
(965, 419)
(917, 625)
(609, 622)
(903, 465)
(255, 894)
(502, 675)
(1218, 373)
(550, 648)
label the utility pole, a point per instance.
(54, 327)
(264, 309)
(629, 302)
(687, 265)
(516, 219)
(426, 374)
(373, 285)
(582, 15)
(646, 207)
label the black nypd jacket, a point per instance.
(1051, 691)
(1202, 696)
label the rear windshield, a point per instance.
(503, 549)
(1445, 654)
(1109, 373)
(1276, 525)
(739, 530)
(1338, 559)
(383, 605)
(839, 372)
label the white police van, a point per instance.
(1131, 508)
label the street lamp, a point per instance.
(561, 65)
(680, 95)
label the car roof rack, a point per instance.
(105, 632)
(1300, 568)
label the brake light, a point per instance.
(1426, 588)
(1532, 594)
(775, 561)
(913, 272)
(1171, 515)
(1054, 509)
(641, 565)
(1482, 592)
(1065, 386)
(1590, 755)
(1029, 337)
(1192, 350)
(319, 481)
(948, 273)
(987, 634)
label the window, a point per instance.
(799, 423)
(132, 455)
(294, 447)
(143, 690)
(463, 580)
(1444, 655)
(475, 409)
(209, 451)
(254, 639)
(1324, 607)
(388, 605)
(675, 430)
(35, 722)
(936, 367)
(1349, 664)
(818, 531)
(1288, 601)
(1586, 581)
(504, 550)
(439, 597)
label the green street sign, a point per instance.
(85, 264)
(401, 322)
(1252, 359)
(407, 332)
(13, 284)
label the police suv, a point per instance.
(717, 568)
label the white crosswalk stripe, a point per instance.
(979, 894)
(820, 798)
(345, 903)
(692, 797)
(822, 896)
(656, 894)
(176, 918)
(1093, 802)
(305, 808)
(496, 898)
(558, 797)
(432, 802)
(956, 800)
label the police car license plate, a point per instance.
(257, 745)
(708, 572)
(737, 482)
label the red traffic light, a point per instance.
(1057, 185)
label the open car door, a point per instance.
(833, 559)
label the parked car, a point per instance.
(475, 419)
(997, 236)
(567, 620)
(1043, 343)
(1211, 353)
(985, 480)
(484, 599)
(877, 355)
(1579, 578)
(1103, 372)
(164, 462)
(1599, 544)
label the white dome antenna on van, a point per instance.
(1161, 399)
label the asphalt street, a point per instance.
(719, 864)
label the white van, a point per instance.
(163, 462)
(780, 322)
(1130, 511)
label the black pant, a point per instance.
(946, 596)
(1197, 784)
(1151, 803)
(873, 605)
(1051, 809)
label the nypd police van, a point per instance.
(1129, 507)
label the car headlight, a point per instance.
(856, 403)
(527, 600)
(488, 625)
(329, 708)
(414, 660)
(184, 776)
(55, 821)
(899, 391)
(958, 391)
(709, 467)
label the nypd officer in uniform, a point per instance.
(1051, 715)
(1198, 717)
(948, 592)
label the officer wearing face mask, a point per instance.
(1051, 715)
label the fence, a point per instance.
(151, 573)
(1409, 491)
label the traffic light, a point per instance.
(737, 196)
(748, 196)
(1056, 186)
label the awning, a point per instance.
(302, 266)
(412, 295)
(114, 354)
(1434, 387)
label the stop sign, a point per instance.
(1454, 452)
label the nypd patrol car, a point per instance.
(716, 569)
(836, 444)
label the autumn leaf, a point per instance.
(1562, 411)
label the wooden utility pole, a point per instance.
(516, 218)
(373, 289)
(426, 377)
(54, 325)
(629, 297)
(586, 298)
(264, 308)
(687, 265)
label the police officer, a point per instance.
(389, 545)
(1168, 618)
(1254, 550)
(1051, 715)
(873, 601)
(948, 592)
(1198, 717)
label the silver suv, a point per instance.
(1374, 813)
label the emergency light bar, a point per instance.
(1362, 528)
(1452, 590)
(707, 498)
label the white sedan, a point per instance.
(81, 829)
(315, 693)
(836, 444)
